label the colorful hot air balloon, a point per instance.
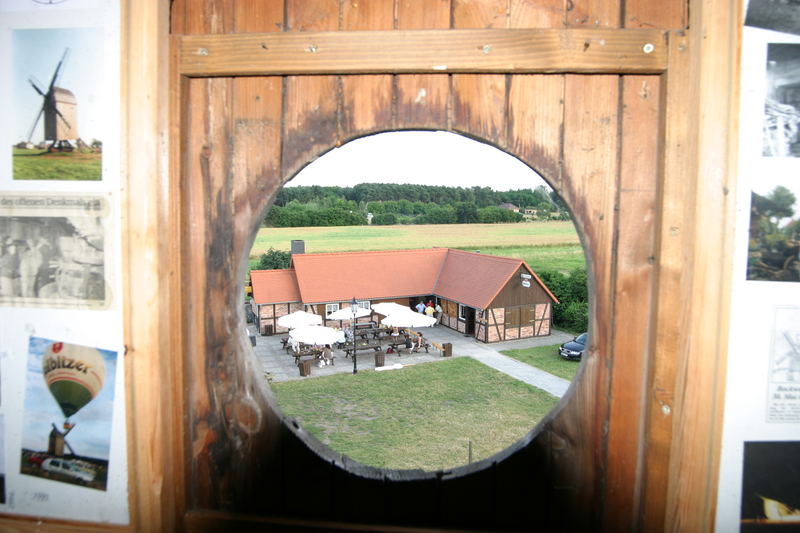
(74, 374)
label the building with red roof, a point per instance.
(490, 297)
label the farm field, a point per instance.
(423, 416)
(39, 165)
(543, 245)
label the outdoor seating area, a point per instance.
(285, 359)
(368, 339)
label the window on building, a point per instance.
(330, 308)
(364, 304)
(462, 311)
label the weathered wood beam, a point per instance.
(603, 51)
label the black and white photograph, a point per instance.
(783, 404)
(781, 114)
(776, 15)
(55, 260)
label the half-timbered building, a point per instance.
(489, 297)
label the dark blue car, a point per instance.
(573, 350)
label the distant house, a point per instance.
(489, 297)
(510, 207)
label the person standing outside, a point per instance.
(420, 307)
(439, 312)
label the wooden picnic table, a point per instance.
(359, 347)
(315, 352)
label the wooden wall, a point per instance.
(632, 447)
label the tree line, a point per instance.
(391, 204)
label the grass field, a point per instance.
(422, 416)
(546, 358)
(543, 245)
(39, 165)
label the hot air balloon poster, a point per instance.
(67, 423)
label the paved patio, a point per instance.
(280, 366)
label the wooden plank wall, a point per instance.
(596, 138)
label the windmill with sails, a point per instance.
(60, 111)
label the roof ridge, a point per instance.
(365, 252)
(491, 256)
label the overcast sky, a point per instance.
(36, 53)
(419, 157)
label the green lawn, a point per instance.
(546, 358)
(39, 165)
(543, 257)
(421, 416)
(543, 245)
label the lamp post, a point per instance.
(353, 308)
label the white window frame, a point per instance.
(330, 308)
(364, 304)
(462, 315)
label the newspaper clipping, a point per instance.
(52, 250)
(784, 379)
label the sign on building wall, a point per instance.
(62, 404)
(760, 458)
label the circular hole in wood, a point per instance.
(354, 252)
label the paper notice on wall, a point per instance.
(52, 250)
(783, 404)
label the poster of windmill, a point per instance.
(58, 103)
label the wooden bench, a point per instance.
(349, 349)
(298, 357)
(416, 349)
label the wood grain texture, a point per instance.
(691, 500)
(635, 257)
(421, 100)
(261, 16)
(484, 14)
(424, 51)
(670, 14)
(673, 283)
(366, 100)
(536, 111)
(536, 102)
(537, 14)
(480, 103)
(590, 184)
(594, 14)
(312, 103)
(244, 458)
(150, 265)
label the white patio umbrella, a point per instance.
(346, 313)
(387, 308)
(408, 319)
(299, 318)
(316, 335)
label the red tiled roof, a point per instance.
(475, 279)
(469, 278)
(274, 286)
(367, 275)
